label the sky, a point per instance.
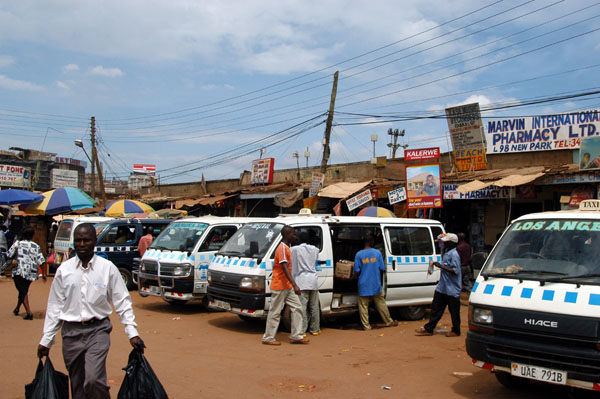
(199, 87)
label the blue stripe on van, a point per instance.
(570, 297)
(594, 299)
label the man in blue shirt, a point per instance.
(368, 265)
(447, 292)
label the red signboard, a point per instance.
(421, 153)
(144, 168)
(262, 171)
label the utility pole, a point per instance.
(93, 144)
(95, 160)
(395, 133)
(329, 123)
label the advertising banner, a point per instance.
(317, 183)
(467, 160)
(589, 153)
(64, 178)
(421, 153)
(397, 195)
(465, 128)
(359, 200)
(262, 171)
(144, 168)
(542, 133)
(423, 188)
(14, 176)
(490, 192)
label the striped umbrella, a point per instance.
(123, 207)
(377, 212)
(61, 200)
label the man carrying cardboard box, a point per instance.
(368, 265)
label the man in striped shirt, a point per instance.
(284, 291)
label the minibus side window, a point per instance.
(312, 235)
(410, 240)
(436, 231)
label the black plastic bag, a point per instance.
(140, 382)
(48, 383)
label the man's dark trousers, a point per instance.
(438, 306)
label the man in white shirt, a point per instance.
(80, 300)
(304, 259)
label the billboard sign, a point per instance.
(144, 168)
(421, 153)
(64, 178)
(317, 183)
(490, 192)
(262, 171)
(359, 199)
(589, 153)
(397, 195)
(14, 176)
(473, 159)
(543, 132)
(465, 127)
(423, 186)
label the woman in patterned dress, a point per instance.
(29, 257)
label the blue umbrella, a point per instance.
(13, 196)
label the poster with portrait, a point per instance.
(423, 186)
(589, 153)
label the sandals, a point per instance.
(422, 332)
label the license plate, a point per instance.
(539, 373)
(221, 305)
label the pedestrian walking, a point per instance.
(304, 260)
(465, 251)
(284, 291)
(146, 240)
(29, 256)
(447, 292)
(368, 265)
(80, 301)
(3, 248)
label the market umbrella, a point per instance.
(123, 207)
(376, 211)
(14, 196)
(61, 200)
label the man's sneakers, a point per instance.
(274, 342)
(316, 333)
(299, 341)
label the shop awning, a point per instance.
(508, 181)
(246, 196)
(342, 190)
(287, 200)
(205, 201)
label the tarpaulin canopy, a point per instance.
(342, 190)
(287, 200)
(205, 201)
(508, 181)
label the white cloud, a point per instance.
(6, 60)
(70, 68)
(62, 85)
(13, 84)
(108, 72)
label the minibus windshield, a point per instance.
(548, 250)
(179, 236)
(253, 240)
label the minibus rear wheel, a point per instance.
(510, 381)
(412, 312)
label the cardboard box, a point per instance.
(344, 269)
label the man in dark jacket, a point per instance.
(464, 251)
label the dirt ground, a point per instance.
(200, 354)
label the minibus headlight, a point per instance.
(252, 284)
(182, 270)
(482, 316)
(142, 267)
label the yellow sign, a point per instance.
(466, 158)
(311, 203)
